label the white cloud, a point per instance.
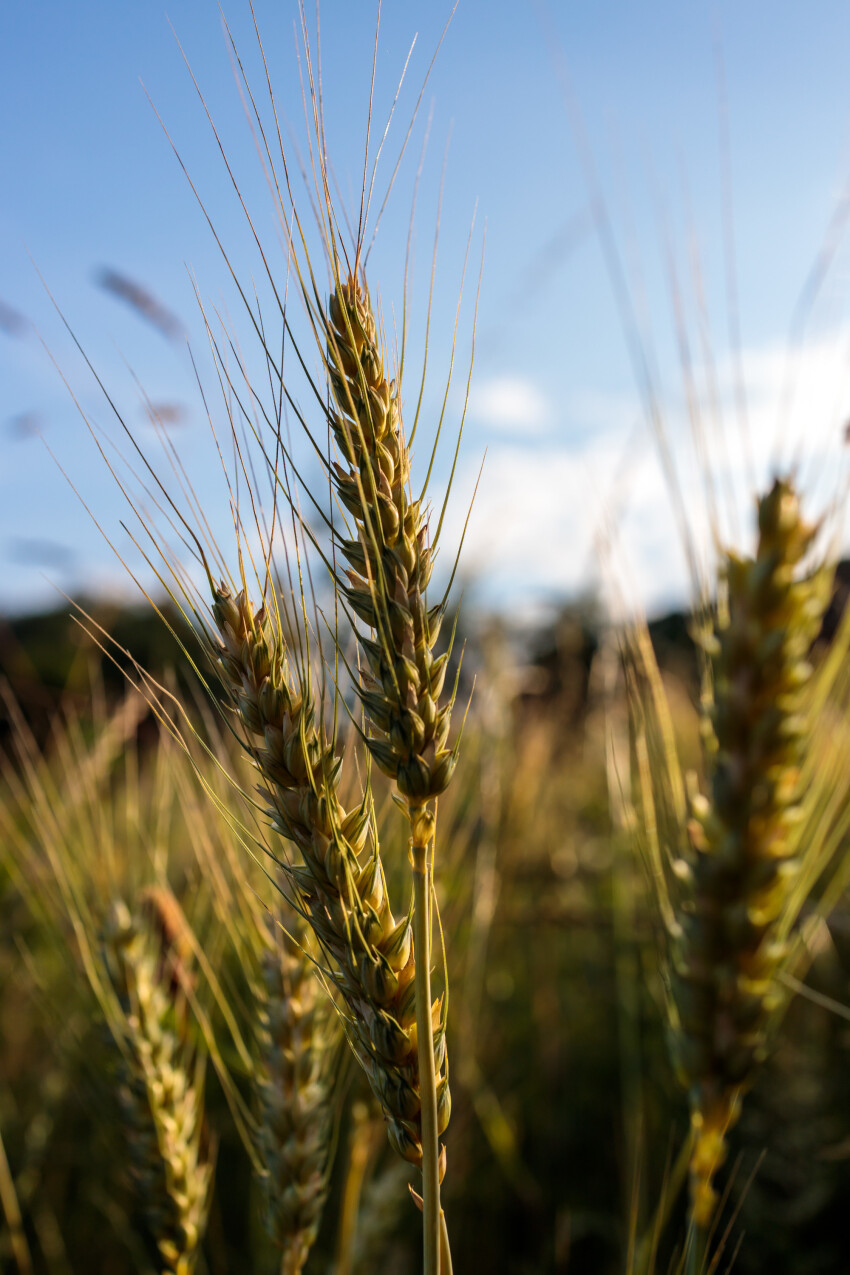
(543, 511)
(509, 403)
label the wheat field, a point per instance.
(348, 926)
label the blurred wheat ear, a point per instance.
(160, 1079)
(735, 857)
(79, 845)
(285, 1030)
(299, 1035)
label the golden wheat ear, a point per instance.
(89, 828)
(339, 882)
(389, 561)
(402, 684)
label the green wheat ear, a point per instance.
(741, 852)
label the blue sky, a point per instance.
(91, 183)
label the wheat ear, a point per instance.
(298, 1048)
(340, 885)
(401, 685)
(738, 872)
(160, 1090)
(390, 565)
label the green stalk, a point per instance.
(445, 1251)
(425, 1045)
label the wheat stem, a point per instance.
(425, 1044)
(445, 1251)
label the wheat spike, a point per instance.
(341, 884)
(401, 685)
(298, 1039)
(741, 859)
(159, 1094)
(390, 559)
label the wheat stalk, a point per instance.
(290, 1051)
(67, 836)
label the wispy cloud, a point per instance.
(509, 403)
(542, 513)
